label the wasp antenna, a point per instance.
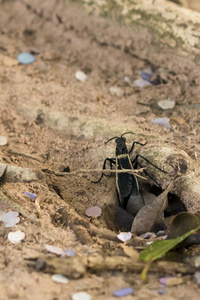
(127, 133)
(114, 137)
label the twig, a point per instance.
(6, 196)
(84, 171)
(25, 155)
(76, 267)
(83, 228)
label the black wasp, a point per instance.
(127, 186)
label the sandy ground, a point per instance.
(53, 121)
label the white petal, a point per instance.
(81, 76)
(81, 296)
(59, 278)
(16, 237)
(55, 250)
(124, 236)
(3, 140)
(141, 83)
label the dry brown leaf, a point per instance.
(174, 281)
(179, 120)
(130, 252)
(39, 200)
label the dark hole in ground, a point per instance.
(175, 205)
(119, 219)
(57, 190)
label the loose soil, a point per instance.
(53, 121)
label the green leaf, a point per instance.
(158, 248)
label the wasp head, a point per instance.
(121, 146)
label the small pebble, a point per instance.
(3, 140)
(81, 76)
(59, 278)
(32, 196)
(141, 83)
(116, 91)
(16, 237)
(26, 58)
(10, 218)
(162, 121)
(81, 296)
(124, 236)
(123, 292)
(166, 104)
(94, 211)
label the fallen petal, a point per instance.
(94, 211)
(68, 252)
(146, 235)
(55, 250)
(124, 236)
(81, 296)
(32, 196)
(16, 237)
(149, 243)
(141, 83)
(163, 280)
(81, 76)
(123, 292)
(59, 278)
(26, 58)
(3, 140)
(10, 218)
(146, 76)
(162, 121)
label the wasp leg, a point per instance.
(135, 161)
(133, 145)
(112, 162)
(147, 174)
